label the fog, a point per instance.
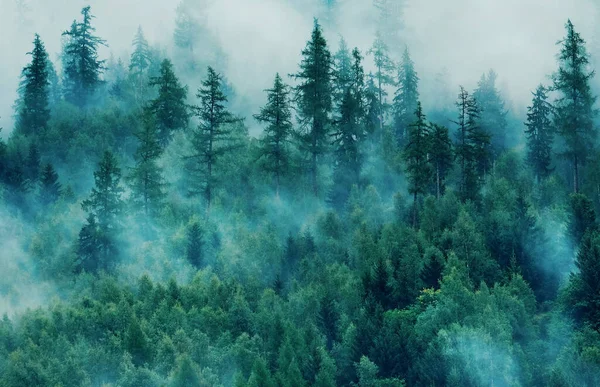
(260, 37)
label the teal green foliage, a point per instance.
(454, 260)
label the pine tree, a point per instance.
(55, 90)
(406, 98)
(372, 106)
(33, 163)
(584, 285)
(169, 107)
(415, 154)
(104, 206)
(50, 187)
(389, 21)
(383, 76)
(147, 183)
(33, 113)
(275, 141)
(470, 147)
(493, 114)
(440, 156)
(213, 137)
(342, 72)
(139, 64)
(186, 27)
(195, 245)
(82, 69)
(540, 134)
(314, 95)
(574, 112)
(348, 135)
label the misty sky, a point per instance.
(515, 37)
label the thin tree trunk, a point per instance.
(437, 177)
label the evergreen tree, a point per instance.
(314, 95)
(406, 98)
(33, 113)
(139, 63)
(584, 285)
(416, 153)
(574, 112)
(440, 156)
(539, 134)
(372, 108)
(147, 183)
(349, 132)
(55, 90)
(50, 187)
(33, 163)
(492, 118)
(342, 72)
(389, 21)
(470, 146)
(186, 27)
(213, 137)
(275, 141)
(195, 245)
(383, 76)
(82, 69)
(105, 205)
(169, 107)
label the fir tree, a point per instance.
(147, 183)
(82, 69)
(406, 98)
(33, 163)
(213, 137)
(342, 72)
(574, 112)
(416, 153)
(169, 107)
(195, 245)
(383, 76)
(139, 63)
(33, 113)
(186, 27)
(389, 21)
(314, 95)
(349, 132)
(440, 156)
(469, 145)
(275, 141)
(50, 187)
(540, 134)
(492, 118)
(105, 205)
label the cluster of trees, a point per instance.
(398, 250)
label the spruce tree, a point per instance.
(195, 245)
(383, 76)
(493, 114)
(389, 21)
(169, 107)
(213, 137)
(416, 153)
(540, 134)
(82, 69)
(277, 115)
(50, 187)
(104, 206)
(469, 146)
(440, 156)
(147, 183)
(314, 95)
(342, 72)
(348, 135)
(574, 111)
(139, 64)
(406, 98)
(33, 113)
(33, 163)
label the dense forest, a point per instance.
(363, 236)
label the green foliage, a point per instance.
(540, 133)
(82, 69)
(406, 98)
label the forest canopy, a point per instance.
(366, 235)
